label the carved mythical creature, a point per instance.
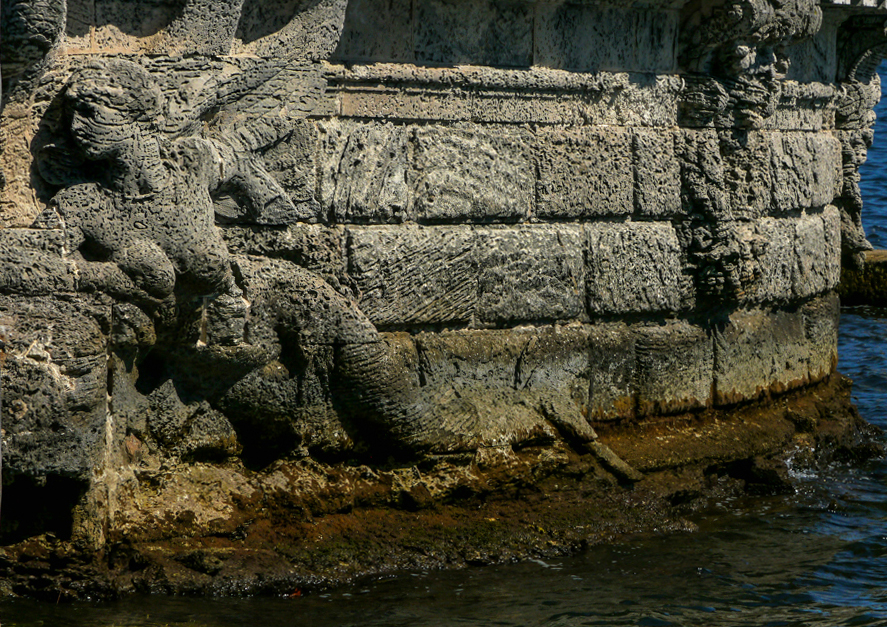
(144, 232)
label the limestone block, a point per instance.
(758, 352)
(611, 372)
(414, 275)
(806, 169)
(472, 173)
(488, 32)
(364, 172)
(591, 38)
(315, 247)
(584, 172)
(725, 174)
(768, 272)
(293, 163)
(702, 172)
(657, 173)
(31, 262)
(470, 358)
(674, 370)
(831, 225)
(817, 256)
(377, 30)
(491, 95)
(508, 385)
(54, 384)
(530, 273)
(747, 177)
(821, 317)
(805, 106)
(412, 103)
(556, 358)
(636, 267)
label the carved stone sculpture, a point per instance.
(272, 264)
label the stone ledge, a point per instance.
(868, 285)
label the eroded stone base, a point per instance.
(300, 524)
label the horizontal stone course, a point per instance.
(496, 274)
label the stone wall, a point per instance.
(357, 230)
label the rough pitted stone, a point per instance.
(635, 267)
(441, 36)
(271, 261)
(806, 170)
(769, 266)
(758, 352)
(584, 173)
(612, 391)
(577, 36)
(530, 273)
(377, 29)
(427, 275)
(364, 173)
(516, 385)
(657, 179)
(674, 368)
(463, 174)
(821, 317)
(817, 266)
(54, 385)
(32, 262)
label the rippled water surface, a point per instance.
(816, 558)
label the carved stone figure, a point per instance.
(268, 261)
(144, 232)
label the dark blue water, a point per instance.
(818, 558)
(874, 175)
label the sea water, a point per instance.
(817, 558)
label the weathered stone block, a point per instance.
(425, 275)
(486, 358)
(448, 32)
(674, 368)
(612, 392)
(590, 38)
(817, 258)
(364, 172)
(584, 172)
(806, 169)
(469, 173)
(831, 226)
(556, 358)
(702, 172)
(31, 262)
(821, 317)
(530, 273)
(768, 270)
(506, 386)
(413, 103)
(758, 352)
(725, 174)
(657, 176)
(636, 267)
(747, 177)
(314, 247)
(377, 30)
(274, 29)
(293, 163)
(54, 385)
